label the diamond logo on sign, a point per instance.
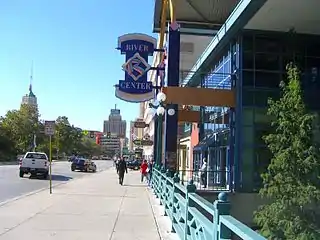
(137, 48)
(136, 66)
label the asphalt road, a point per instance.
(11, 185)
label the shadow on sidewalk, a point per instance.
(59, 178)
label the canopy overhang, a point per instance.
(263, 15)
(205, 15)
(300, 16)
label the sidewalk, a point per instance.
(93, 207)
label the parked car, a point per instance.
(83, 165)
(134, 164)
(35, 163)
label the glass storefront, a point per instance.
(213, 120)
(264, 59)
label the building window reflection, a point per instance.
(264, 61)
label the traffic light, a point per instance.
(108, 135)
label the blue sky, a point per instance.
(72, 45)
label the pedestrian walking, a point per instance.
(150, 166)
(121, 169)
(144, 170)
(203, 173)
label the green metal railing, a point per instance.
(192, 216)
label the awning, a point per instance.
(205, 143)
(195, 14)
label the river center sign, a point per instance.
(137, 48)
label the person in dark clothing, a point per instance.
(122, 167)
(150, 166)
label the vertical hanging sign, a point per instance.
(137, 48)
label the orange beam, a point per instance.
(200, 96)
(188, 116)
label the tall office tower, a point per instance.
(115, 124)
(30, 98)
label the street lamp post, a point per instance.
(160, 111)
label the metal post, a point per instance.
(50, 165)
(171, 134)
(159, 151)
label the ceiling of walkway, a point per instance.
(302, 16)
(202, 14)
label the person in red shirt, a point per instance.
(144, 170)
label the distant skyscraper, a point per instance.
(30, 98)
(115, 124)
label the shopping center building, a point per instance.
(242, 48)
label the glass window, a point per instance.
(247, 43)
(247, 97)
(247, 116)
(247, 135)
(261, 130)
(313, 48)
(247, 156)
(247, 168)
(265, 61)
(267, 44)
(298, 60)
(247, 78)
(260, 116)
(262, 160)
(248, 60)
(267, 79)
(313, 62)
(262, 97)
(310, 97)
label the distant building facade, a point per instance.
(115, 124)
(30, 98)
(135, 133)
(110, 143)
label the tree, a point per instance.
(291, 182)
(7, 149)
(20, 126)
(67, 138)
(88, 148)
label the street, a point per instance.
(11, 185)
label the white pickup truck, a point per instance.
(34, 163)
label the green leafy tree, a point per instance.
(20, 126)
(67, 138)
(7, 148)
(88, 148)
(291, 182)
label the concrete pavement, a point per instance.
(94, 207)
(11, 185)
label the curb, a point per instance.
(43, 189)
(150, 194)
(27, 194)
(13, 163)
